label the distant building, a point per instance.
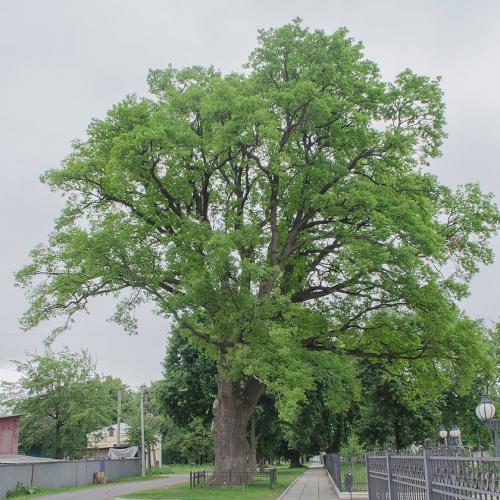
(9, 434)
(106, 438)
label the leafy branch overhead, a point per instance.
(273, 213)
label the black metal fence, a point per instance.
(428, 476)
(349, 474)
(267, 477)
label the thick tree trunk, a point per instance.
(252, 464)
(232, 411)
(59, 450)
(295, 459)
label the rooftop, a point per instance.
(14, 458)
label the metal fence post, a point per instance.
(336, 470)
(367, 465)
(429, 474)
(391, 487)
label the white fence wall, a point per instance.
(61, 474)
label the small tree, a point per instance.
(188, 387)
(277, 215)
(152, 432)
(196, 442)
(63, 399)
(353, 446)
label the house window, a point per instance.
(110, 431)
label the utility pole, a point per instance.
(143, 455)
(118, 426)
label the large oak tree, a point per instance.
(281, 216)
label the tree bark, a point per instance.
(295, 459)
(232, 411)
(59, 450)
(253, 446)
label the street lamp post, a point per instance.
(443, 434)
(457, 436)
(485, 412)
(143, 445)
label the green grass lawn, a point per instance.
(178, 469)
(358, 471)
(182, 491)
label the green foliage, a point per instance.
(152, 430)
(188, 387)
(21, 490)
(273, 214)
(186, 438)
(353, 447)
(391, 413)
(405, 403)
(191, 444)
(459, 406)
(312, 430)
(268, 430)
(171, 442)
(196, 443)
(63, 398)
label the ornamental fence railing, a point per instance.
(266, 477)
(431, 476)
(349, 474)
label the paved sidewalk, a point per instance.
(314, 484)
(112, 490)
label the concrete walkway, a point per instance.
(112, 490)
(314, 484)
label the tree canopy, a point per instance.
(62, 398)
(281, 216)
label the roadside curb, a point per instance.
(335, 488)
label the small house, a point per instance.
(106, 438)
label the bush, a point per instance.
(353, 447)
(21, 490)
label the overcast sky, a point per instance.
(64, 62)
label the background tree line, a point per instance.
(359, 405)
(62, 398)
